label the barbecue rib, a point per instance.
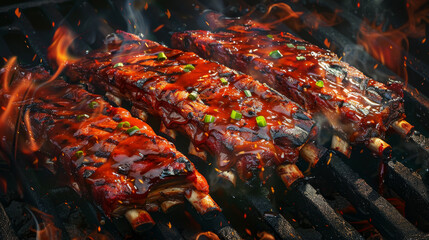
(221, 111)
(357, 107)
(104, 152)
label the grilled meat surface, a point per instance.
(356, 106)
(110, 156)
(198, 97)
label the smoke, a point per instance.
(132, 13)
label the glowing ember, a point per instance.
(158, 28)
(17, 12)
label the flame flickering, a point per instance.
(58, 50)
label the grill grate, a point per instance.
(94, 19)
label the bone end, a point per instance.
(403, 128)
(311, 154)
(169, 204)
(203, 203)
(228, 176)
(289, 173)
(139, 219)
(340, 145)
(380, 147)
(193, 151)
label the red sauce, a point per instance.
(114, 168)
(356, 106)
(162, 88)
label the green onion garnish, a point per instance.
(132, 130)
(123, 124)
(290, 45)
(209, 119)
(270, 36)
(81, 117)
(188, 68)
(275, 54)
(300, 47)
(300, 58)
(260, 120)
(247, 93)
(224, 81)
(319, 83)
(79, 154)
(236, 115)
(162, 56)
(93, 104)
(193, 95)
(118, 65)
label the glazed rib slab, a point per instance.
(102, 151)
(129, 68)
(356, 106)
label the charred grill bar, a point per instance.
(405, 181)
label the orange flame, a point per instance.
(325, 19)
(11, 63)
(58, 50)
(47, 229)
(387, 46)
(17, 93)
(33, 146)
(286, 11)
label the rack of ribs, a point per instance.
(248, 127)
(358, 108)
(102, 151)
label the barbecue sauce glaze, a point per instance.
(356, 106)
(162, 87)
(79, 133)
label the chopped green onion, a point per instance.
(275, 54)
(123, 124)
(247, 93)
(118, 65)
(236, 115)
(162, 56)
(300, 58)
(193, 95)
(320, 83)
(81, 117)
(290, 45)
(224, 81)
(209, 119)
(188, 68)
(300, 47)
(260, 120)
(270, 36)
(93, 104)
(79, 154)
(132, 130)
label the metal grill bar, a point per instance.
(218, 224)
(382, 214)
(321, 215)
(262, 205)
(410, 186)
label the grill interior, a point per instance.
(340, 199)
